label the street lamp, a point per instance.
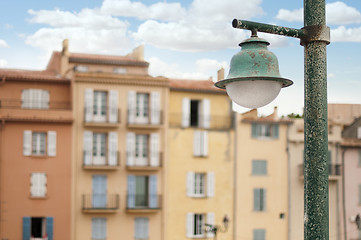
(314, 36)
(216, 228)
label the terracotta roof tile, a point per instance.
(194, 85)
(105, 59)
(29, 75)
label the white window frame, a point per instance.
(142, 108)
(35, 98)
(195, 223)
(99, 151)
(100, 102)
(38, 184)
(199, 223)
(199, 185)
(38, 143)
(141, 150)
(200, 144)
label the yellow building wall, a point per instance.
(120, 224)
(220, 160)
(275, 183)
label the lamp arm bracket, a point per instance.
(315, 33)
(268, 28)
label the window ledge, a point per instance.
(38, 198)
(38, 156)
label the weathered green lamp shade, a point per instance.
(254, 79)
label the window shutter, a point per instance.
(103, 228)
(45, 99)
(25, 98)
(130, 149)
(88, 147)
(88, 103)
(359, 132)
(259, 234)
(43, 184)
(210, 184)
(113, 106)
(49, 227)
(263, 198)
(190, 225)
(153, 197)
(34, 183)
(131, 192)
(154, 149)
(359, 157)
(155, 107)
(197, 144)
(359, 193)
(210, 220)
(131, 106)
(256, 199)
(254, 130)
(190, 184)
(275, 131)
(113, 148)
(145, 228)
(26, 228)
(206, 108)
(51, 143)
(204, 143)
(186, 111)
(27, 139)
(329, 158)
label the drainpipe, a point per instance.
(343, 194)
(289, 183)
(235, 177)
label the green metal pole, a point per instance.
(316, 218)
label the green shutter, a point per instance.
(275, 131)
(359, 158)
(254, 130)
(259, 234)
(50, 227)
(256, 199)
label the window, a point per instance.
(259, 197)
(196, 224)
(359, 194)
(38, 227)
(100, 148)
(39, 143)
(142, 149)
(259, 234)
(142, 192)
(99, 195)
(264, 130)
(200, 184)
(120, 70)
(35, 99)
(259, 167)
(100, 106)
(196, 113)
(143, 108)
(359, 158)
(99, 228)
(200, 144)
(359, 132)
(38, 184)
(141, 228)
(81, 68)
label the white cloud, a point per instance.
(3, 43)
(343, 34)
(158, 11)
(337, 13)
(3, 63)
(205, 68)
(8, 26)
(105, 41)
(330, 75)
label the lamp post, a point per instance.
(314, 36)
(217, 228)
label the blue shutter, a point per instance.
(26, 228)
(259, 234)
(275, 131)
(50, 227)
(256, 199)
(131, 192)
(263, 199)
(99, 191)
(141, 228)
(254, 130)
(153, 198)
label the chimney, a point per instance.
(220, 74)
(275, 113)
(64, 58)
(137, 53)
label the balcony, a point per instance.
(145, 164)
(111, 119)
(101, 163)
(334, 172)
(153, 120)
(13, 109)
(216, 122)
(100, 203)
(143, 203)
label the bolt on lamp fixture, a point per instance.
(254, 79)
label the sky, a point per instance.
(188, 39)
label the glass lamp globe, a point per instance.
(254, 79)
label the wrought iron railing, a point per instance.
(145, 120)
(144, 201)
(215, 121)
(145, 163)
(333, 169)
(105, 162)
(100, 201)
(106, 117)
(46, 105)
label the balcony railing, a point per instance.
(145, 121)
(334, 171)
(100, 202)
(106, 119)
(145, 164)
(46, 105)
(105, 162)
(143, 201)
(215, 121)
